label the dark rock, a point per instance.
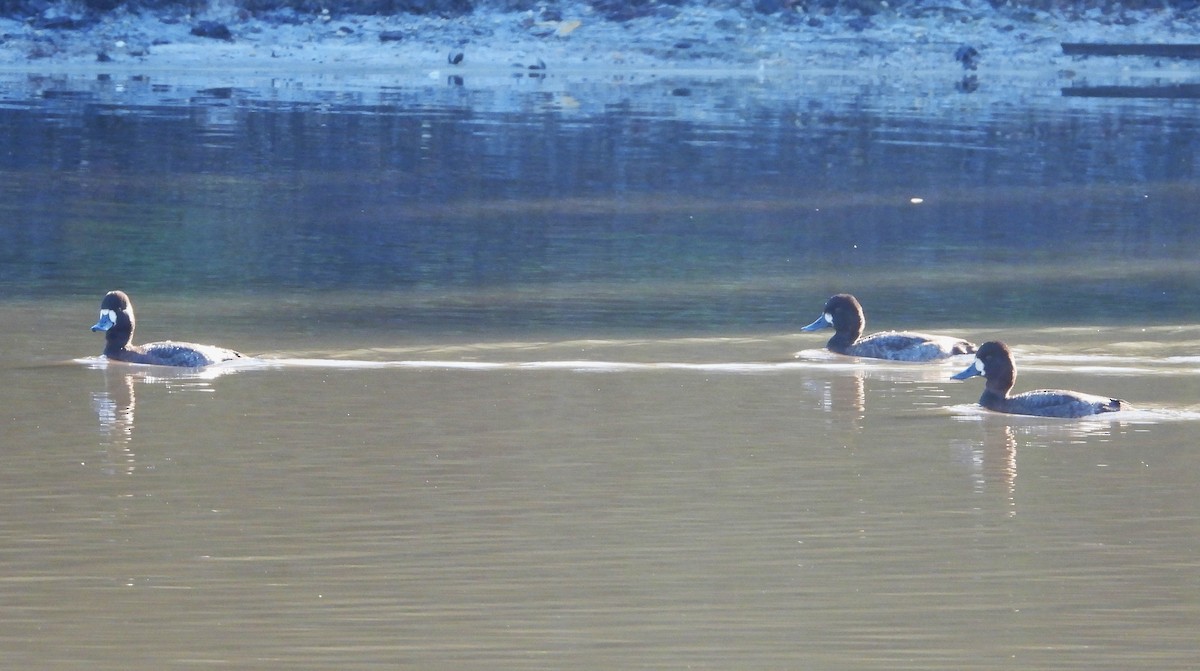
(769, 6)
(864, 7)
(968, 56)
(859, 24)
(391, 36)
(213, 30)
(447, 8)
(103, 58)
(791, 18)
(624, 10)
(284, 16)
(61, 23)
(29, 8)
(222, 92)
(454, 58)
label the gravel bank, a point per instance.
(577, 37)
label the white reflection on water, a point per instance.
(115, 409)
(993, 462)
(116, 405)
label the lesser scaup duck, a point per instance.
(844, 313)
(994, 362)
(117, 322)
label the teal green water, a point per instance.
(475, 210)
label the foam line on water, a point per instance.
(582, 365)
(1098, 365)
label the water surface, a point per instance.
(526, 386)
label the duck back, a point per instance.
(905, 346)
(1053, 403)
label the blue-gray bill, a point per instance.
(822, 322)
(970, 371)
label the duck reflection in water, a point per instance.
(993, 463)
(115, 410)
(844, 397)
(116, 405)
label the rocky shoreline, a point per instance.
(566, 37)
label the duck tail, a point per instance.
(1115, 405)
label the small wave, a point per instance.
(362, 364)
(264, 363)
(576, 345)
(906, 370)
(149, 371)
(1107, 364)
(1106, 370)
(835, 363)
(966, 411)
(1158, 415)
(618, 366)
(581, 365)
(814, 360)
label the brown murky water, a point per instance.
(680, 502)
(503, 414)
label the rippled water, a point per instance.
(526, 387)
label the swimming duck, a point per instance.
(844, 313)
(994, 361)
(117, 322)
